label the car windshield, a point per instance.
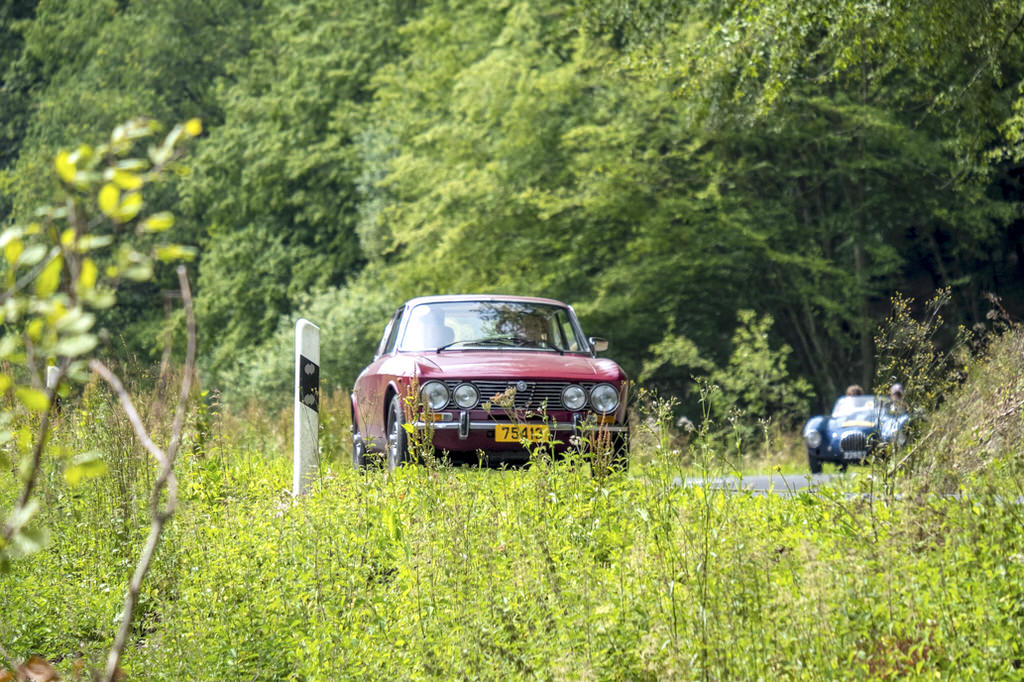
(515, 325)
(855, 407)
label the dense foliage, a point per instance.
(434, 573)
(662, 166)
(728, 190)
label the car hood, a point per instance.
(504, 364)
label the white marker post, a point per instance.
(307, 405)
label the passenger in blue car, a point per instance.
(854, 389)
(897, 405)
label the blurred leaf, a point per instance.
(132, 165)
(49, 278)
(123, 179)
(5, 383)
(75, 346)
(88, 275)
(33, 398)
(158, 222)
(65, 167)
(130, 207)
(11, 233)
(84, 467)
(29, 541)
(13, 249)
(109, 197)
(32, 255)
(82, 154)
(175, 252)
(9, 345)
(90, 242)
(35, 329)
(20, 517)
(100, 298)
(75, 321)
(138, 272)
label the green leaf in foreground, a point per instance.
(33, 398)
(175, 252)
(74, 346)
(84, 467)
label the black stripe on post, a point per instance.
(309, 383)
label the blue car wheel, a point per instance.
(813, 463)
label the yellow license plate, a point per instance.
(516, 433)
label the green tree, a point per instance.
(86, 66)
(756, 382)
(277, 185)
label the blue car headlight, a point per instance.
(813, 438)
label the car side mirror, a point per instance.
(598, 344)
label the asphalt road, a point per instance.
(779, 484)
(786, 485)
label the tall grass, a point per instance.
(543, 572)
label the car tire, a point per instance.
(615, 458)
(813, 463)
(358, 451)
(620, 452)
(398, 439)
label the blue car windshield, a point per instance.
(855, 407)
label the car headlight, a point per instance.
(466, 396)
(604, 398)
(574, 397)
(435, 395)
(813, 438)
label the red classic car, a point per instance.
(485, 378)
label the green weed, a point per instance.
(429, 572)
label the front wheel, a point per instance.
(358, 451)
(614, 456)
(620, 451)
(398, 439)
(813, 462)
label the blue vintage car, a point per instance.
(860, 426)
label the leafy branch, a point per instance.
(59, 270)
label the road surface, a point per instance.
(780, 484)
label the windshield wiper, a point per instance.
(506, 340)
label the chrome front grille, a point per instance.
(537, 395)
(854, 441)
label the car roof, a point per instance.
(453, 298)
